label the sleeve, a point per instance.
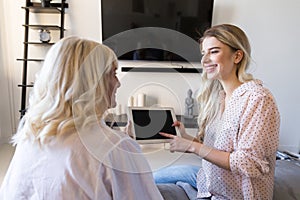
(129, 174)
(258, 136)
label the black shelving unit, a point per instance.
(32, 8)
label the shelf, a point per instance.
(159, 69)
(23, 111)
(30, 59)
(48, 10)
(40, 43)
(121, 121)
(21, 85)
(38, 5)
(48, 27)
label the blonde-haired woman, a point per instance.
(238, 123)
(64, 150)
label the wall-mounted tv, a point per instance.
(120, 19)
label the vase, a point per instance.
(45, 3)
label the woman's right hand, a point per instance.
(181, 129)
(177, 143)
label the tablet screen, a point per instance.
(147, 123)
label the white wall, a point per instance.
(11, 37)
(272, 27)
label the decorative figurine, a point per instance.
(189, 104)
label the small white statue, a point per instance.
(189, 104)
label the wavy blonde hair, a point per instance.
(236, 39)
(73, 79)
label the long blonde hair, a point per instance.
(73, 79)
(208, 98)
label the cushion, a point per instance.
(287, 179)
(171, 191)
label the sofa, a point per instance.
(286, 184)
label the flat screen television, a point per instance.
(169, 23)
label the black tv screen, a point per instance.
(123, 22)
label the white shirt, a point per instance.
(104, 165)
(249, 130)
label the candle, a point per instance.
(130, 101)
(141, 100)
(118, 109)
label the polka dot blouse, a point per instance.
(248, 129)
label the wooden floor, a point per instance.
(6, 153)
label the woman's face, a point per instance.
(114, 84)
(219, 60)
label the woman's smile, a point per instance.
(210, 68)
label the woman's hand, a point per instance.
(183, 133)
(178, 143)
(181, 128)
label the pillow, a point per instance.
(171, 191)
(287, 179)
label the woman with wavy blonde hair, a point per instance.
(64, 149)
(238, 124)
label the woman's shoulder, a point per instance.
(125, 154)
(254, 88)
(103, 145)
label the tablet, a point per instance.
(147, 122)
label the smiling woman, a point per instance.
(219, 60)
(238, 125)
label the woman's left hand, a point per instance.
(178, 143)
